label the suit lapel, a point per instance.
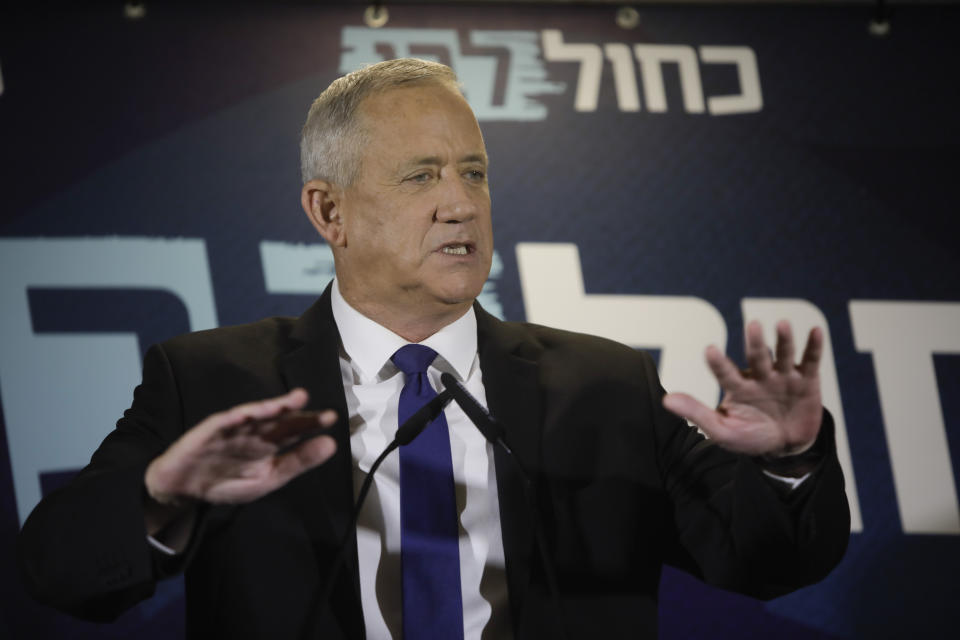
(510, 380)
(314, 364)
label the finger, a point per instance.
(812, 353)
(785, 348)
(242, 448)
(308, 455)
(709, 421)
(686, 406)
(726, 372)
(758, 355)
(291, 425)
(291, 401)
(262, 409)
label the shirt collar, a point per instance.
(369, 345)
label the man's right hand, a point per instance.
(235, 456)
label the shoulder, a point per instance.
(270, 329)
(581, 345)
(580, 355)
(256, 340)
(219, 368)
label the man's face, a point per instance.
(416, 222)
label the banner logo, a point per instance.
(505, 72)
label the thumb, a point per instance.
(686, 406)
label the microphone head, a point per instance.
(487, 424)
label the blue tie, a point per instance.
(429, 529)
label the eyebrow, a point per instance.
(475, 157)
(436, 160)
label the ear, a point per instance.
(321, 202)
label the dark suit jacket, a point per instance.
(622, 486)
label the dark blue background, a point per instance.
(186, 124)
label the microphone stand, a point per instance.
(409, 430)
(494, 432)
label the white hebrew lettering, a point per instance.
(680, 326)
(902, 337)
(651, 57)
(804, 316)
(624, 76)
(296, 267)
(749, 99)
(489, 296)
(591, 64)
(70, 388)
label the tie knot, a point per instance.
(413, 358)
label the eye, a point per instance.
(476, 175)
(420, 178)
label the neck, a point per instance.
(415, 324)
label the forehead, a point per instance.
(418, 115)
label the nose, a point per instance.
(457, 201)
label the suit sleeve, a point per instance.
(84, 548)
(735, 528)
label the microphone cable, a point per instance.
(494, 432)
(409, 430)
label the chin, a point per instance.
(456, 287)
(453, 300)
(456, 295)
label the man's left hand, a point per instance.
(773, 408)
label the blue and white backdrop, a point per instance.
(658, 185)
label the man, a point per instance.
(198, 475)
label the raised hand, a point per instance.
(241, 454)
(773, 408)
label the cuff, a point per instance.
(802, 464)
(159, 546)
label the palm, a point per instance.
(241, 454)
(773, 408)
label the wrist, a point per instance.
(798, 461)
(790, 451)
(159, 493)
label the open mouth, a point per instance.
(457, 249)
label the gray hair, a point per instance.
(333, 136)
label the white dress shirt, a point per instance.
(372, 385)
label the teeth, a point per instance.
(457, 250)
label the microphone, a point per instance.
(416, 423)
(494, 432)
(410, 429)
(489, 426)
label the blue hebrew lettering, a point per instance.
(526, 74)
